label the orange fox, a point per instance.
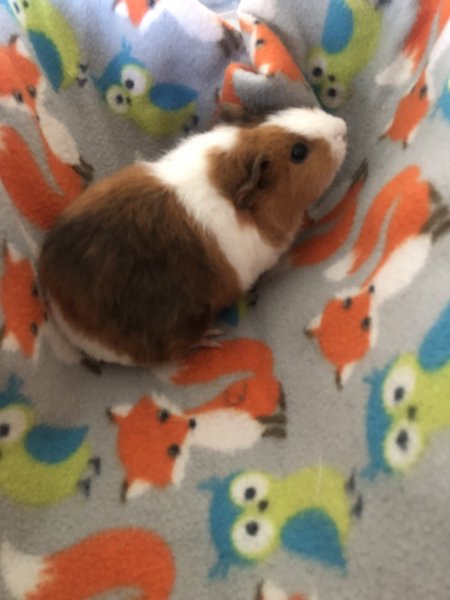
(103, 562)
(134, 9)
(415, 105)
(411, 111)
(33, 196)
(416, 43)
(22, 87)
(154, 438)
(347, 328)
(23, 311)
(320, 247)
(21, 80)
(268, 53)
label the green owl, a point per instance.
(307, 513)
(159, 109)
(53, 40)
(39, 464)
(349, 40)
(409, 403)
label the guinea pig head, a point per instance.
(279, 166)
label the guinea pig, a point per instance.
(136, 268)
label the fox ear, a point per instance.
(257, 178)
(313, 328)
(20, 47)
(118, 413)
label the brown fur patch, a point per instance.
(130, 270)
(278, 199)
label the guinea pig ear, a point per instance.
(256, 175)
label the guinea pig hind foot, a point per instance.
(207, 341)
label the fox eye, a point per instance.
(31, 90)
(366, 323)
(174, 450)
(163, 415)
(18, 97)
(347, 303)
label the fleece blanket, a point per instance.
(308, 456)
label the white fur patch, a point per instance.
(312, 123)
(185, 169)
(63, 350)
(226, 430)
(78, 340)
(22, 573)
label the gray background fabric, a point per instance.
(399, 548)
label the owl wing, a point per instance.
(171, 96)
(338, 27)
(434, 351)
(313, 534)
(48, 56)
(53, 445)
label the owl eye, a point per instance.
(118, 99)
(134, 79)
(252, 537)
(19, 7)
(398, 387)
(403, 446)
(12, 425)
(317, 68)
(332, 94)
(249, 488)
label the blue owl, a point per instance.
(408, 403)
(160, 109)
(252, 514)
(39, 464)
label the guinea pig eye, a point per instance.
(299, 152)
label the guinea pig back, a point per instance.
(136, 268)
